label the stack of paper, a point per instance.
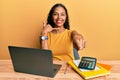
(100, 70)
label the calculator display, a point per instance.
(87, 63)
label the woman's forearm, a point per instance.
(78, 40)
(44, 43)
(75, 35)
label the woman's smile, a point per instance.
(59, 21)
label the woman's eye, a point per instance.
(63, 14)
(54, 14)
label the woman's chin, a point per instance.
(59, 25)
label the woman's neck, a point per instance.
(60, 30)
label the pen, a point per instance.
(65, 70)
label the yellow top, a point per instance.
(61, 45)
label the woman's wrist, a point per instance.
(43, 33)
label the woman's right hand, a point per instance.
(47, 28)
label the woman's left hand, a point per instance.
(79, 42)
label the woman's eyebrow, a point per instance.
(58, 12)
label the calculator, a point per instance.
(87, 63)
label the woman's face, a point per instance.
(59, 16)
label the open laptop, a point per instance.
(33, 61)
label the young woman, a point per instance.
(57, 37)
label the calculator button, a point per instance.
(86, 65)
(89, 67)
(93, 64)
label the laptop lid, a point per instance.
(33, 61)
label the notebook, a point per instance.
(88, 74)
(33, 61)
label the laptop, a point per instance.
(33, 61)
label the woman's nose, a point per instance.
(59, 16)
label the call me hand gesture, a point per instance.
(47, 28)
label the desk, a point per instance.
(7, 72)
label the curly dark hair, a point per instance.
(50, 21)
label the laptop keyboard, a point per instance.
(54, 69)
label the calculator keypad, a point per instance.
(87, 63)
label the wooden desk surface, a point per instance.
(7, 72)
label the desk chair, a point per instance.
(76, 55)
